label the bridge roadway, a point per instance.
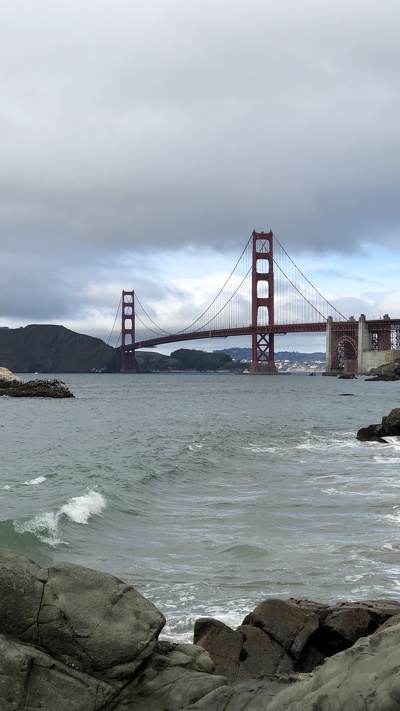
(226, 332)
(283, 329)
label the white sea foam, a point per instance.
(38, 480)
(7, 487)
(386, 460)
(334, 492)
(81, 508)
(257, 449)
(46, 526)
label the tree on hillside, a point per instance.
(200, 360)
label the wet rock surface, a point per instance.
(284, 637)
(389, 427)
(75, 639)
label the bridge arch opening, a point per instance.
(345, 355)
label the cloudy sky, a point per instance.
(143, 140)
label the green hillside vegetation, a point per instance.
(200, 360)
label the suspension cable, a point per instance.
(226, 303)
(150, 329)
(219, 293)
(299, 292)
(167, 333)
(115, 320)
(308, 282)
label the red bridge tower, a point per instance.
(128, 360)
(262, 310)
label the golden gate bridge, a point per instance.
(265, 294)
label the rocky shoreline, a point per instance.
(75, 639)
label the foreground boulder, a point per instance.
(13, 386)
(75, 639)
(389, 427)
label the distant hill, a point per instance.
(56, 349)
(292, 356)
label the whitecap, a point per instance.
(260, 450)
(38, 480)
(44, 526)
(7, 487)
(334, 492)
(80, 508)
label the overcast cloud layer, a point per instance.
(143, 140)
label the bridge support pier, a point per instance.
(128, 359)
(262, 299)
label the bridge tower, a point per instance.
(128, 359)
(262, 300)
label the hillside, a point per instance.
(54, 349)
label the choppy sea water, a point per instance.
(208, 493)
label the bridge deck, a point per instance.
(375, 324)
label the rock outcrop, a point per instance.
(12, 386)
(75, 639)
(389, 427)
(283, 637)
(8, 379)
(389, 371)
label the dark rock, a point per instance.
(370, 434)
(365, 676)
(388, 369)
(36, 388)
(261, 654)
(285, 623)
(382, 378)
(389, 427)
(343, 627)
(391, 423)
(222, 643)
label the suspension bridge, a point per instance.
(265, 294)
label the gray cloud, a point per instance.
(133, 127)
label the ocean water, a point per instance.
(208, 493)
